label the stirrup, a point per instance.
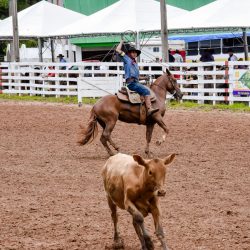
(152, 111)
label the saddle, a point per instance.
(124, 94)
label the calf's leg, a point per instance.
(138, 223)
(118, 242)
(157, 221)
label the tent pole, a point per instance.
(40, 48)
(11, 41)
(15, 31)
(164, 32)
(70, 51)
(245, 43)
(52, 50)
(137, 42)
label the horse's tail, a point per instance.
(91, 131)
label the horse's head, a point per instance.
(173, 87)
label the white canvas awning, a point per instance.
(39, 20)
(220, 14)
(122, 16)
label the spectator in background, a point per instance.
(171, 57)
(242, 66)
(157, 59)
(62, 60)
(232, 57)
(177, 56)
(207, 56)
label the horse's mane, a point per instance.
(160, 78)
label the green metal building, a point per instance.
(88, 7)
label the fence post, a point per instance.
(16, 67)
(32, 82)
(200, 84)
(180, 81)
(9, 76)
(231, 79)
(214, 85)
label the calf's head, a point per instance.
(154, 172)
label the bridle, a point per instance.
(172, 83)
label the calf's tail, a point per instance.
(89, 133)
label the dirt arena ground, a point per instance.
(51, 192)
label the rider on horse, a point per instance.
(132, 75)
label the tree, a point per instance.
(21, 4)
(4, 9)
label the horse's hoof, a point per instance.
(158, 143)
(118, 244)
(149, 155)
(149, 243)
(111, 153)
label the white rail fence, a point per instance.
(213, 82)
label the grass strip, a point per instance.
(243, 107)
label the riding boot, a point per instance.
(150, 110)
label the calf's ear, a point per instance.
(167, 160)
(139, 160)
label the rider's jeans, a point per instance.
(139, 88)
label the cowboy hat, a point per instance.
(138, 52)
(60, 55)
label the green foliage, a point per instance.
(4, 9)
(3, 3)
(30, 43)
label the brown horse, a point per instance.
(109, 109)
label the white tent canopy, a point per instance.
(39, 20)
(218, 14)
(122, 16)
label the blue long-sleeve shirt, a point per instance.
(130, 67)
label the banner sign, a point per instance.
(241, 83)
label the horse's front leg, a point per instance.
(149, 132)
(161, 123)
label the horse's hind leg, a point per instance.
(113, 144)
(103, 125)
(109, 126)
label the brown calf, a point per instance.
(135, 184)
